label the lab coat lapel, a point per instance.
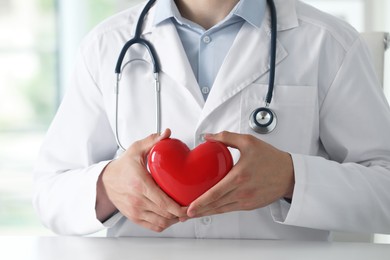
(247, 61)
(173, 59)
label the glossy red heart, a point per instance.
(184, 174)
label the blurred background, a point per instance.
(38, 41)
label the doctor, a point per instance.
(326, 166)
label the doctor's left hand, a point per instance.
(262, 175)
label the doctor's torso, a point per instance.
(239, 87)
(304, 75)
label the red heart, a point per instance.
(184, 174)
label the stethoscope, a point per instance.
(262, 120)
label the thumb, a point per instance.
(143, 146)
(228, 138)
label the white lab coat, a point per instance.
(332, 118)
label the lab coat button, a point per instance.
(206, 221)
(205, 90)
(207, 39)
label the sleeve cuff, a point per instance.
(284, 212)
(109, 223)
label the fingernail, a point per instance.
(191, 213)
(205, 136)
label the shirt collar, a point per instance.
(251, 11)
(165, 9)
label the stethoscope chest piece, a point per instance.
(263, 120)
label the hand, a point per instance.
(132, 190)
(262, 175)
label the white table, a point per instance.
(77, 248)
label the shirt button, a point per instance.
(205, 90)
(207, 39)
(206, 221)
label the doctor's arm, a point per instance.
(77, 147)
(344, 189)
(69, 195)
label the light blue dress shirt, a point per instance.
(207, 49)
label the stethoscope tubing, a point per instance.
(272, 62)
(158, 103)
(254, 124)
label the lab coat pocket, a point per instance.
(296, 109)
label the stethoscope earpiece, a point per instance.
(263, 120)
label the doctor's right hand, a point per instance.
(127, 186)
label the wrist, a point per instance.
(290, 178)
(104, 207)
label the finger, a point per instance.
(151, 206)
(152, 226)
(242, 142)
(159, 223)
(228, 138)
(229, 207)
(198, 211)
(162, 203)
(165, 134)
(148, 225)
(138, 212)
(212, 196)
(143, 146)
